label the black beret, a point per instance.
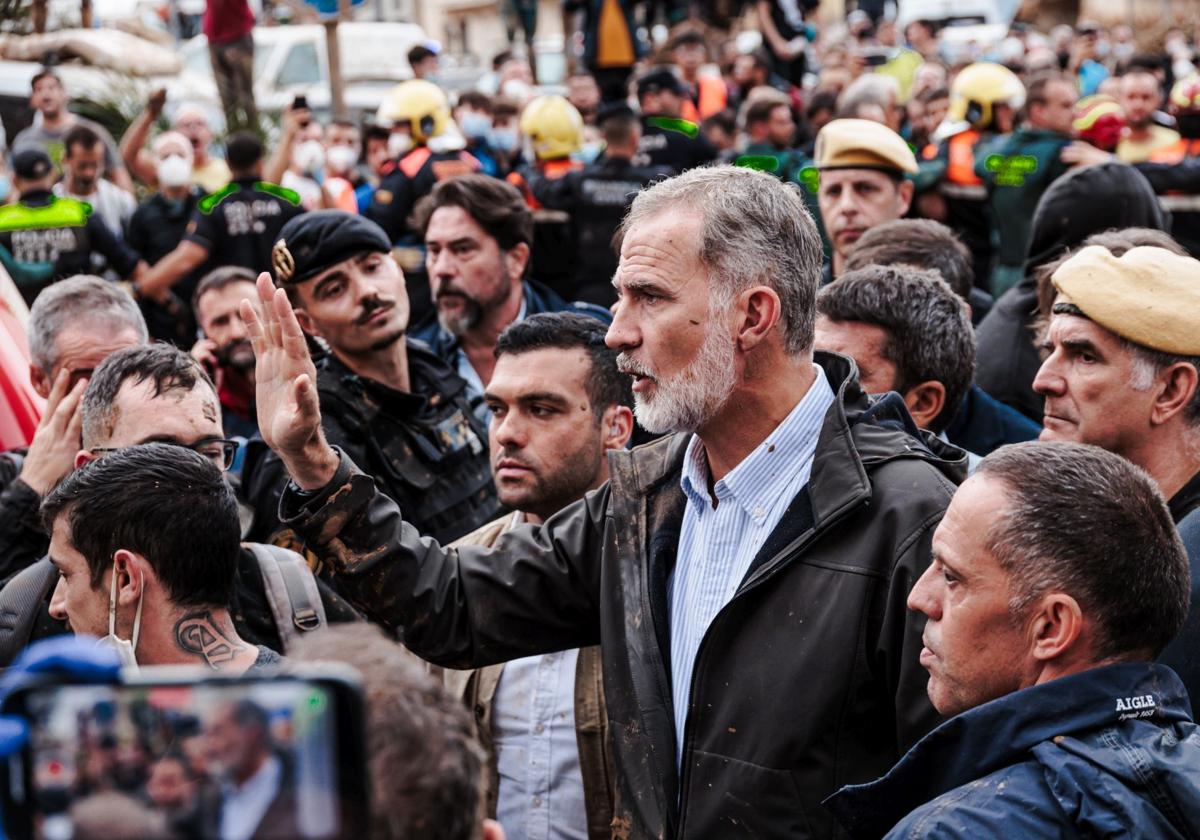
(312, 242)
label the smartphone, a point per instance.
(186, 758)
(301, 101)
(874, 57)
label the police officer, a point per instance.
(555, 131)
(597, 198)
(396, 409)
(44, 238)
(426, 149)
(984, 100)
(667, 139)
(235, 226)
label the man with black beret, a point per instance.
(387, 402)
(667, 139)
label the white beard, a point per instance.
(691, 398)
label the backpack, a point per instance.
(291, 591)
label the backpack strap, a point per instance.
(21, 602)
(291, 590)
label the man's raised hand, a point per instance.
(289, 414)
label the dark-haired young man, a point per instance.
(83, 180)
(559, 405)
(49, 98)
(396, 408)
(908, 332)
(165, 589)
(237, 229)
(478, 234)
(225, 349)
(159, 394)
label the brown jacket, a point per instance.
(477, 688)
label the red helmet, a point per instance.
(1099, 120)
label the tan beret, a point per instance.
(855, 144)
(1149, 296)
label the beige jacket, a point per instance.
(477, 688)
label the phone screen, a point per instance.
(255, 759)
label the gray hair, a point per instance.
(869, 89)
(929, 334)
(1148, 363)
(1083, 521)
(755, 231)
(79, 300)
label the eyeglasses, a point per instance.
(220, 451)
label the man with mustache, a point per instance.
(478, 235)
(559, 406)
(745, 577)
(1122, 371)
(225, 350)
(390, 404)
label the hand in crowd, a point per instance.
(154, 105)
(289, 416)
(52, 452)
(1080, 153)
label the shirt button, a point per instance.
(759, 513)
(537, 802)
(539, 729)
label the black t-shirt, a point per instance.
(157, 227)
(243, 226)
(57, 243)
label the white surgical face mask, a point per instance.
(399, 143)
(126, 648)
(474, 125)
(341, 159)
(309, 156)
(174, 171)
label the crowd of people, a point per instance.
(784, 436)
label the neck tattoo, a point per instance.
(200, 634)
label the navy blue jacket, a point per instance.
(984, 424)
(1183, 654)
(1111, 752)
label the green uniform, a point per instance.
(1016, 169)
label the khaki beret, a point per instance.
(1149, 296)
(862, 144)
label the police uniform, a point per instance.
(424, 448)
(410, 179)
(667, 141)
(241, 226)
(157, 227)
(596, 198)
(552, 258)
(44, 238)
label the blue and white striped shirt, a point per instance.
(717, 545)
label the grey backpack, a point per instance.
(291, 591)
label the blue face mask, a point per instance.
(474, 125)
(588, 153)
(504, 139)
(5, 187)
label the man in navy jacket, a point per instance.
(1057, 578)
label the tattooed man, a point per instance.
(147, 540)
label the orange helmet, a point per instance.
(1099, 120)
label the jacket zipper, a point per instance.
(765, 572)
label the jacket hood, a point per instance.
(1090, 200)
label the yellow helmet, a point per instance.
(553, 126)
(419, 103)
(978, 88)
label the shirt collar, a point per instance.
(755, 483)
